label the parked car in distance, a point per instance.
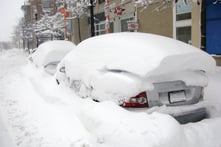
(50, 53)
(138, 70)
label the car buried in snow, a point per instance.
(50, 53)
(139, 70)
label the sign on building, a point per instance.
(132, 25)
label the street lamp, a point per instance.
(92, 17)
(36, 19)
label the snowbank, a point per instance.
(212, 94)
(113, 126)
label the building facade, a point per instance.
(33, 12)
(192, 23)
(172, 21)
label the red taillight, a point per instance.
(138, 101)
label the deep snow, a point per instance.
(36, 112)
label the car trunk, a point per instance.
(174, 93)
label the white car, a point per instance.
(50, 53)
(137, 70)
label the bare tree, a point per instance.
(79, 8)
(17, 36)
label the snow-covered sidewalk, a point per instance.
(35, 112)
(5, 138)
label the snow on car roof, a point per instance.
(51, 51)
(139, 53)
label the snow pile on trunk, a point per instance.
(191, 78)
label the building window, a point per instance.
(183, 21)
(101, 1)
(183, 11)
(100, 28)
(124, 25)
(47, 6)
(100, 22)
(184, 34)
(183, 16)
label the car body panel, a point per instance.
(191, 115)
(174, 93)
(50, 68)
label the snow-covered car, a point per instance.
(137, 70)
(50, 53)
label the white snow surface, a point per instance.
(36, 112)
(51, 51)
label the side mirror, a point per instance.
(62, 69)
(30, 59)
(50, 68)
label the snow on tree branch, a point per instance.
(147, 2)
(76, 8)
(51, 25)
(161, 4)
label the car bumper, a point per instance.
(183, 114)
(186, 113)
(191, 116)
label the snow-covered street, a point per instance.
(36, 112)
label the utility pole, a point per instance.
(107, 14)
(203, 25)
(92, 17)
(36, 19)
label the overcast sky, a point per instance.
(10, 12)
